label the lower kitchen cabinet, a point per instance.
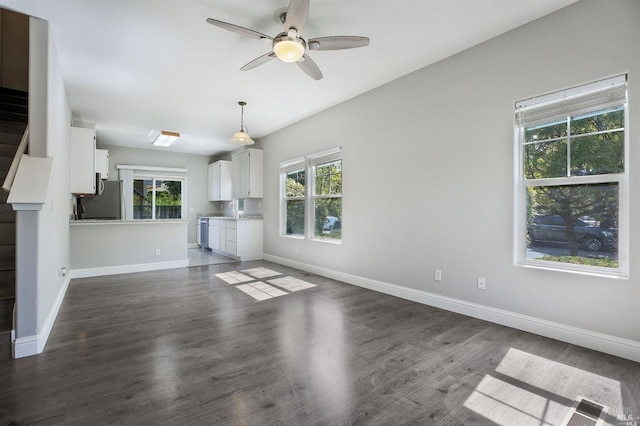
(239, 238)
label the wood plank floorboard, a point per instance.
(182, 347)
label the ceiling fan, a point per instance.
(290, 46)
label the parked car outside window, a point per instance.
(332, 224)
(553, 229)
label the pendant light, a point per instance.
(241, 137)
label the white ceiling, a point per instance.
(133, 66)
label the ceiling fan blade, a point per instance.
(308, 66)
(258, 61)
(337, 42)
(237, 29)
(296, 15)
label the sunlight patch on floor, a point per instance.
(259, 290)
(261, 272)
(529, 389)
(234, 277)
(291, 283)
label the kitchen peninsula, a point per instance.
(106, 247)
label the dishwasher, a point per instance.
(203, 233)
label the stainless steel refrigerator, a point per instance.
(107, 205)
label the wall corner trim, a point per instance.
(617, 346)
(33, 345)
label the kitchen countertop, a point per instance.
(124, 222)
(233, 218)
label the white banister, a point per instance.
(11, 174)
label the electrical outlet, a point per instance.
(482, 283)
(157, 252)
(437, 275)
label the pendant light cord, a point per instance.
(242, 104)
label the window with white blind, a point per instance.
(311, 196)
(572, 190)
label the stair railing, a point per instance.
(11, 174)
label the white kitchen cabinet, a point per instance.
(241, 238)
(247, 174)
(102, 163)
(220, 181)
(231, 241)
(82, 173)
(217, 235)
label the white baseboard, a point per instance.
(33, 345)
(193, 246)
(127, 269)
(624, 348)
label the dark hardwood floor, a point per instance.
(182, 347)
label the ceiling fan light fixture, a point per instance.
(289, 49)
(166, 139)
(241, 137)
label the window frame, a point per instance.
(309, 164)
(522, 184)
(287, 167)
(127, 173)
(159, 177)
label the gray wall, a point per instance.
(429, 171)
(197, 175)
(125, 244)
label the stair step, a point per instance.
(14, 117)
(7, 232)
(7, 256)
(5, 163)
(5, 346)
(12, 107)
(7, 214)
(10, 138)
(7, 283)
(8, 150)
(12, 127)
(7, 292)
(6, 314)
(14, 92)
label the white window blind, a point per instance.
(324, 157)
(577, 100)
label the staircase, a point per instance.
(13, 122)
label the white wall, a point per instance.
(41, 289)
(429, 172)
(197, 175)
(53, 226)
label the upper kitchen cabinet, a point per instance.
(82, 172)
(247, 174)
(220, 181)
(102, 163)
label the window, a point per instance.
(155, 198)
(311, 188)
(153, 193)
(572, 190)
(294, 198)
